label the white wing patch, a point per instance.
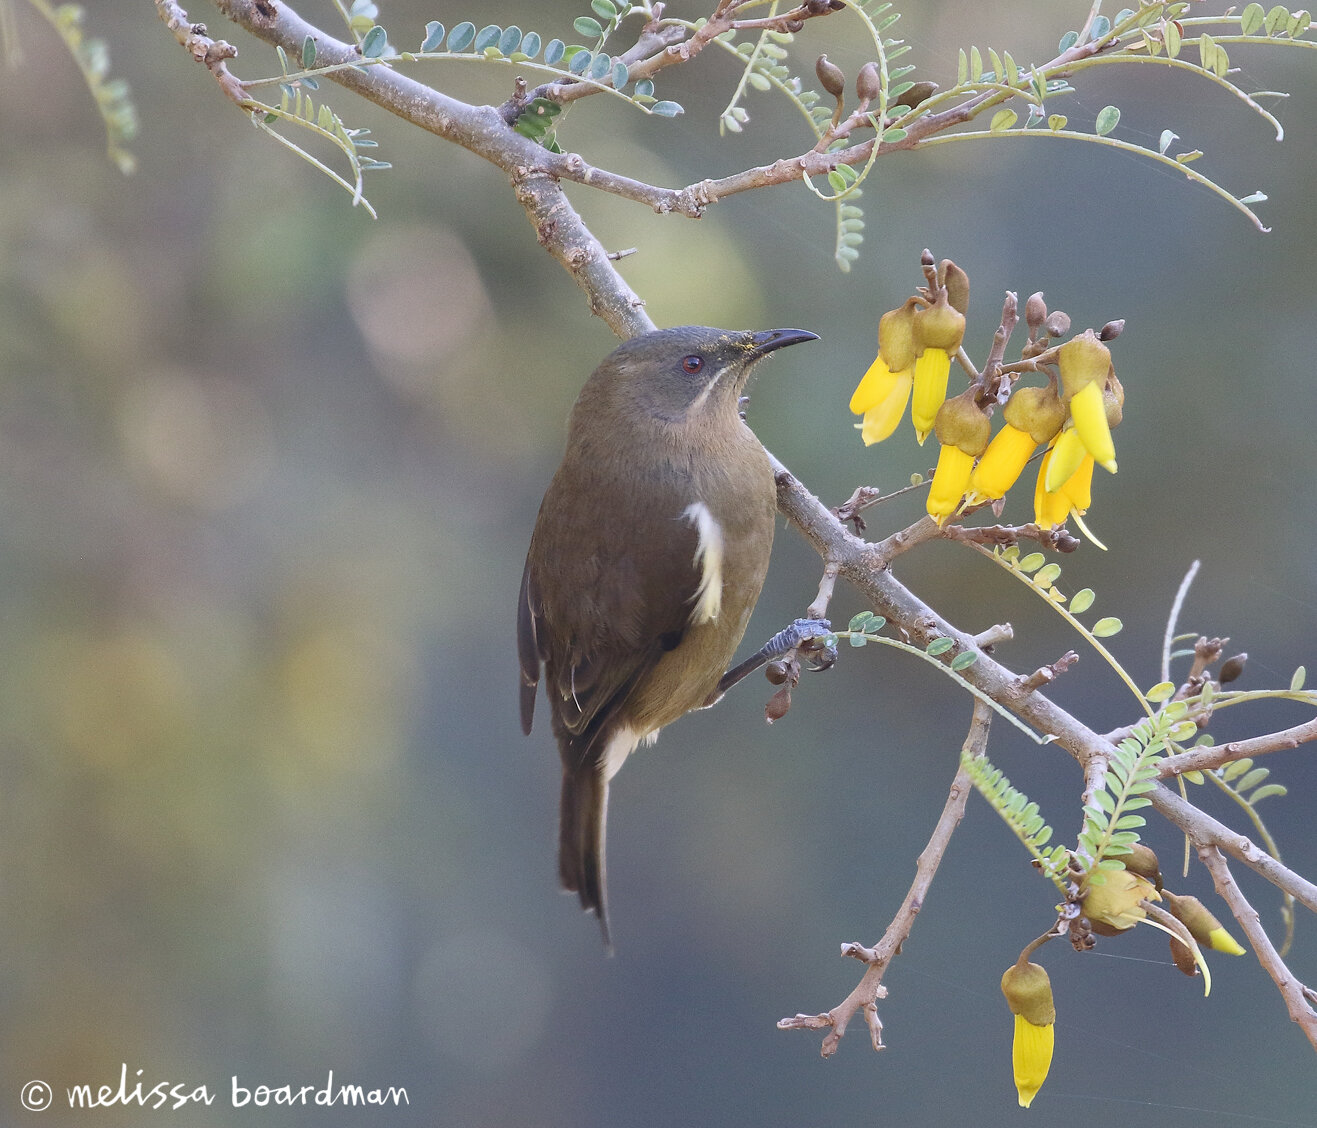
(708, 598)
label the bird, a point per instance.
(647, 557)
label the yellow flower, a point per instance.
(938, 330)
(884, 390)
(1202, 924)
(962, 428)
(932, 371)
(950, 480)
(1085, 363)
(1031, 1057)
(1073, 495)
(881, 398)
(1028, 993)
(1033, 416)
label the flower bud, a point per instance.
(868, 83)
(830, 76)
(919, 92)
(1142, 861)
(956, 282)
(1182, 957)
(1111, 330)
(1057, 323)
(1231, 668)
(1038, 412)
(1035, 313)
(1029, 995)
(1202, 925)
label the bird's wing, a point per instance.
(618, 609)
(528, 650)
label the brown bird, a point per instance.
(648, 555)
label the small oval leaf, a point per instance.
(487, 36)
(1081, 601)
(459, 39)
(374, 42)
(667, 109)
(434, 36)
(588, 26)
(1105, 628)
(1107, 120)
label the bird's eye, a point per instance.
(692, 364)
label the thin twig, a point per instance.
(1295, 993)
(1173, 618)
(870, 987)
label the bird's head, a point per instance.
(681, 374)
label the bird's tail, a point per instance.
(582, 817)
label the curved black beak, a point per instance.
(771, 339)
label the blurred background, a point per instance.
(268, 469)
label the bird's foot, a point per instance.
(809, 636)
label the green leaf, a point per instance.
(1236, 768)
(962, 68)
(1252, 779)
(1162, 691)
(459, 39)
(1032, 562)
(1268, 791)
(1171, 37)
(837, 181)
(1002, 120)
(554, 51)
(645, 88)
(434, 36)
(604, 9)
(588, 26)
(1251, 19)
(860, 621)
(964, 660)
(620, 75)
(1056, 122)
(1047, 575)
(600, 66)
(510, 40)
(1105, 628)
(1299, 23)
(374, 42)
(857, 639)
(975, 64)
(1187, 158)
(1107, 120)
(580, 62)
(1081, 601)
(759, 81)
(530, 46)
(1128, 822)
(667, 109)
(939, 646)
(308, 53)
(892, 136)
(1101, 26)
(487, 36)
(1068, 40)
(1296, 682)
(1278, 17)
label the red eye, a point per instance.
(692, 364)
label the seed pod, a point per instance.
(776, 671)
(868, 83)
(1111, 330)
(1183, 958)
(830, 76)
(778, 705)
